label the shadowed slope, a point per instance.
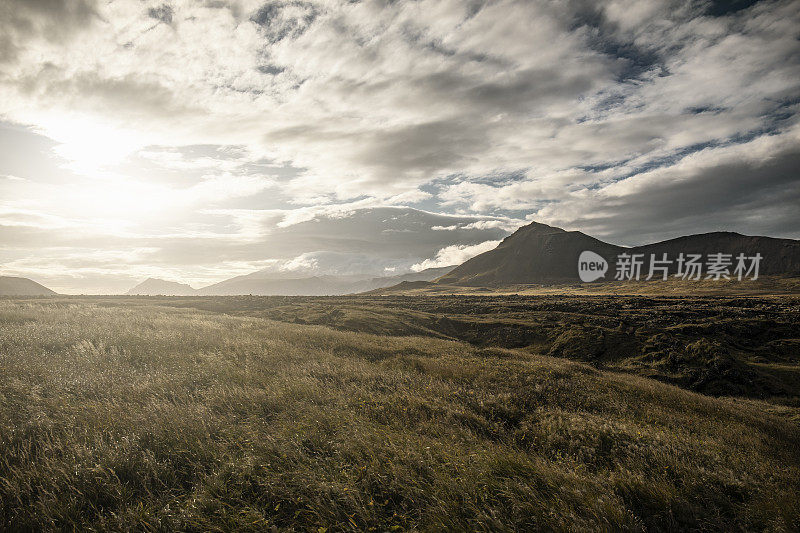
(534, 253)
(13, 286)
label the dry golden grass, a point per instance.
(144, 416)
(763, 286)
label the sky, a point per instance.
(199, 140)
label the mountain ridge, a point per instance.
(319, 285)
(538, 253)
(160, 287)
(259, 283)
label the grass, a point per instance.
(717, 345)
(150, 414)
(763, 286)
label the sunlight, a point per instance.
(88, 144)
(92, 148)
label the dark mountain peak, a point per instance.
(711, 235)
(542, 227)
(731, 233)
(535, 228)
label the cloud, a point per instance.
(279, 20)
(162, 13)
(360, 241)
(329, 263)
(752, 188)
(504, 224)
(379, 101)
(454, 255)
(253, 131)
(302, 263)
(23, 21)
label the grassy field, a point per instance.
(718, 345)
(218, 414)
(764, 285)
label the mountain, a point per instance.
(429, 274)
(533, 254)
(308, 286)
(780, 256)
(538, 253)
(261, 283)
(12, 286)
(160, 287)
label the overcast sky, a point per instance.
(196, 141)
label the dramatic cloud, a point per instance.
(200, 140)
(454, 255)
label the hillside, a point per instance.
(160, 287)
(538, 253)
(267, 284)
(13, 286)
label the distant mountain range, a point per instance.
(534, 254)
(12, 286)
(538, 253)
(268, 283)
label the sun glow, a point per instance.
(88, 145)
(102, 192)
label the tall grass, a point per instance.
(154, 418)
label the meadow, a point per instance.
(398, 414)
